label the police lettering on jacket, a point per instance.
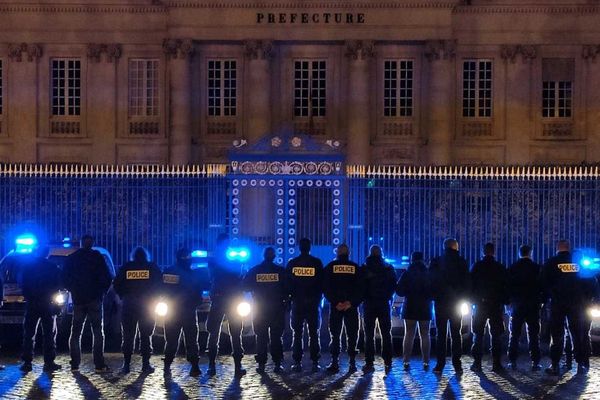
(343, 282)
(303, 271)
(138, 280)
(184, 286)
(304, 279)
(138, 274)
(266, 281)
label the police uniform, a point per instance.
(489, 294)
(562, 285)
(266, 281)
(183, 288)
(226, 291)
(40, 282)
(450, 285)
(525, 299)
(305, 278)
(342, 281)
(138, 285)
(379, 283)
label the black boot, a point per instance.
(239, 371)
(352, 365)
(147, 368)
(368, 367)
(297, 367)
(476, 366)
(334, 366)
(260, 369)
(167, 368)
(195, 370)
(316, 367)
(126, 367)
(278, 369)
(212, 368)
(51, 366)
(26, 367)
(553, 370)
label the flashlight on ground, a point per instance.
(594, 312)
(59, 299)
(161, 309)
(464, 308)
(243, 309)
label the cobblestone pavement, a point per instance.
(416, 383)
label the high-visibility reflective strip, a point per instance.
(171, 279)
(568, 267)
(138, 274)
(303, 271)
(344, 269)
(267, 277)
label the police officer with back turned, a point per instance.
(342, 286)
(489, 294)
(450, 286)
(305, 278)
(183, 288)
(266, 281)
(138, 283)
(40, 282)
(525, 299)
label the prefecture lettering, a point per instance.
(303, 271)
(344, 269)
(568, 267)
(267, 277)
(310, 18)
(138, 274)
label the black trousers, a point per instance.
(184, 318)
(34, 313)
(349, 319)
(136, 314)
(268, 326)
(481, 315)
(224, 307)
(574, 316)
(93, 312)
(378, 311)
(525, 314)
(447, 314)
(311, 313)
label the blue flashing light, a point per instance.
(370, 238)
(66, 242)
(586, 262)
(205, 293)
(199, 253)
(389, 260)
(241, 254)
(405, 258)
(25, 243)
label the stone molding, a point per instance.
(359, 49)
(258, 49)
(509, 53)
(590, 51)
(113, 52)
(440, 50)
(528, 9)
(32, 51)
(179, 48)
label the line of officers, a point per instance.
(447, 282)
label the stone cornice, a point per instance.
(528, 9)
(307, 5)
(81, 8)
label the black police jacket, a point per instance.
(40, 280)
(183, 286)
(138, 281)
(524, 283)
(342, 281)
(379, 280)
(561, 281)
(86, 276)
(266, 282)
(450, 280)
(304, 276)
(225, 277)
(415, 286)
(489, 282)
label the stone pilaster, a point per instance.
(258, 54)
(359, 55)
(23, 100)
(179, 53)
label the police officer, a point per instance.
(138, 284)
(342, 286)
(266, 281)
(379, 284)
(183, 287)
(226, 291)
(525, 300)
(489, 294)
(450, 285)
(305, 278)
(88, 278)
(590, 292)
(40, 283)
(562, 286)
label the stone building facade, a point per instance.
(392, 81)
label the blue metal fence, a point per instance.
(402, 208)
(415, 208)
(157, 207)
